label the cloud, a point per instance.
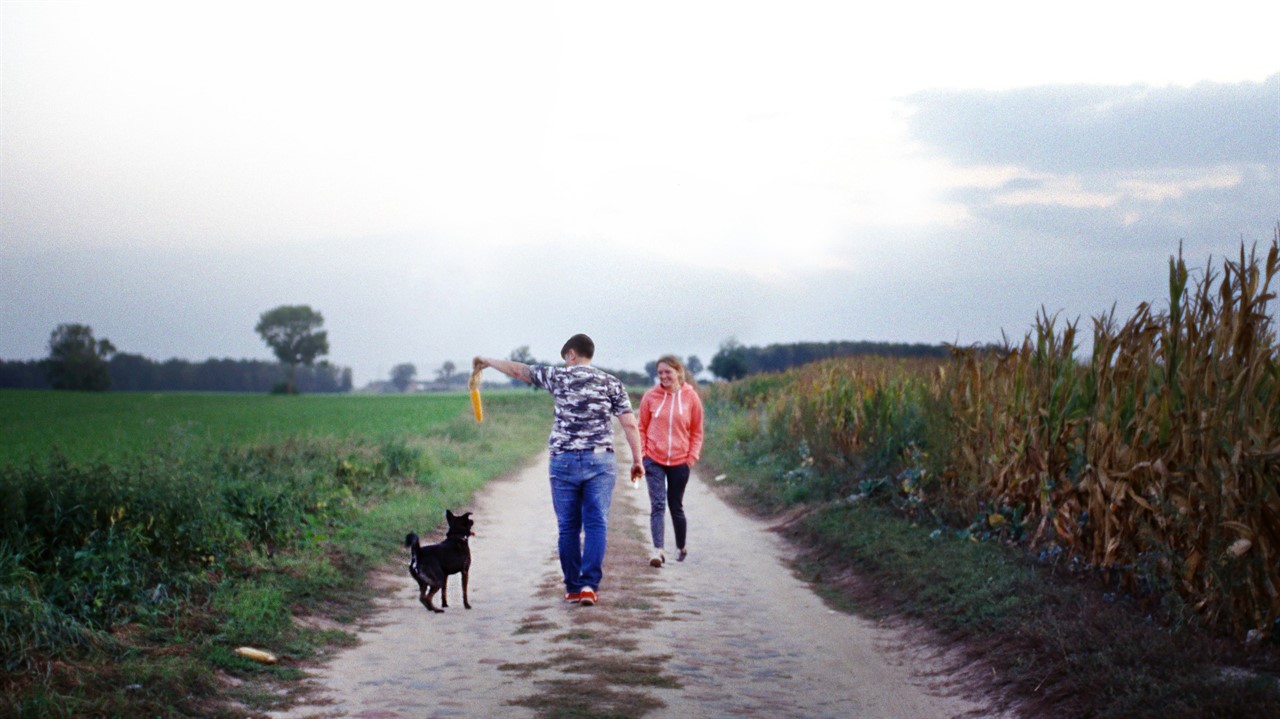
(1111, 169)
(1086, 129)
(440, 180)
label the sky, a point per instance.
(444, 179)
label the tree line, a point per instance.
(735, 361)
(732, 361)
(79, 361)
(135, 373)
(405, 375)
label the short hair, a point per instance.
(581, 344)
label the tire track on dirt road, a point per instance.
(728, 632)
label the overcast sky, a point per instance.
(448, 179)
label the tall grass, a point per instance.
(1156, 461)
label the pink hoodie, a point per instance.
(671, 425)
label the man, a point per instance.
(583, 468)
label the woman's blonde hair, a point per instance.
(674, 363)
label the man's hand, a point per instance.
(637, 471)
(478, 364)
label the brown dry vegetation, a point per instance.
(1155, 461)
(1099, 530)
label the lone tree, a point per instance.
(522, 354)
(651, 369)
(293, 333)
(445, 373)
(402, 375)
(694, 365)
(76, 360)
(731, 361)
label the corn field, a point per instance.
(1156, 460)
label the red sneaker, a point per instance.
(587, 597)
(573, 597)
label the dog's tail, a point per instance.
(411, 540)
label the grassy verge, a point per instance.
(1055, 643)
(128, 579)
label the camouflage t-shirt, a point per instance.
(586, 401)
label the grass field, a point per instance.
(145, 536)
(103, 426)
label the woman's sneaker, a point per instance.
(683, 553)
(656, 559)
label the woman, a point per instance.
(671, 431)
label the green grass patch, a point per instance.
(605, 689)
(134, 559)
(107, 426)
(576, 635)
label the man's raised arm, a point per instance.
(511, 368)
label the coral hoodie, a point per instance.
(671, 425)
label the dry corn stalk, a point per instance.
(1157, 458)
(1154, 460)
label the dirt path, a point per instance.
(728, 632)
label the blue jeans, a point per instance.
(666, 489)
(581, 491)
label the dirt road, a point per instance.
(728, 632)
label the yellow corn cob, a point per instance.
(474, 384)
(257, 655)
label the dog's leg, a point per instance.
(465, 602)
(422, 584)
(426, 600)
(444, 591)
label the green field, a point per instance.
(105, 426)
(145, 536)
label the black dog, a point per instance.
(432, 565)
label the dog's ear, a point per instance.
(466, 516)
(448, 514)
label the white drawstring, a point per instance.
(671, 423)
(671, 428)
